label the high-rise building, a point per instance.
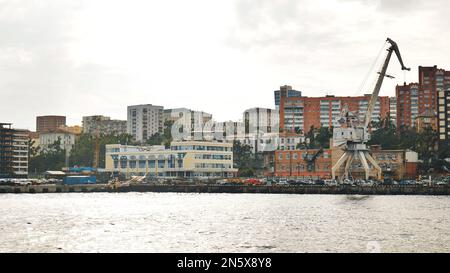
(435, 84)
(20, 152)
(444, 112)
(261, 128)
(393, 110)
(105, 125)
(144, 121)
(188, 124)
(299, 114)
(422, 100)
(6, 150)
(286, 91)
(408, 104)
(13, 151)
(49, 123)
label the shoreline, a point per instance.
(276, 189)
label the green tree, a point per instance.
(50, 158)
(245, 160)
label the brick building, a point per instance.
(430, 96)
(49, 123)
(298, 114)
(312, 163)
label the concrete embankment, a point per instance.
(378, 190)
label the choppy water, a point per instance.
(177, 222)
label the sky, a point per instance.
(87, 57)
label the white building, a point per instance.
(189, 159)
(261, 129)
(188, 124)
(144, 121)
(20, 152)
(393, 110)
(67, 139)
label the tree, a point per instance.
(385, 134)
(244, 159)
(162, 139)
(50, 158)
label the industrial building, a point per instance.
(189, 159)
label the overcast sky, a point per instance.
(76, 58)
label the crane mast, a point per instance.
(376, 91)
(353, 134)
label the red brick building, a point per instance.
(298, 114)
(310, 163)
(407, 104)
(49, 123)
(416, 100)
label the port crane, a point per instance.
(353, 134)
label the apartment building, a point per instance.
(105, 125)
(299, 114)
(144, 121)
(13, 152)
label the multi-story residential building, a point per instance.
(408, 104)
(299, 114)
(6, 150)
(431, 79)
(104, 124)
(425, 120)
(286, 91)
(428, 96)
(393, 110)
(188, 124)
(49, 123)
(189, 159)
(444, 113)
(144, 121)
(261, 129)
(20, 152)
(13, 151)
(438, 80)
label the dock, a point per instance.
(275, 189)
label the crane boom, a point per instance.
(376, 91)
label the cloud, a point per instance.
(39, 75)
(94, 57)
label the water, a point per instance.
(178, 222)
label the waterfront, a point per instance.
(189, 222)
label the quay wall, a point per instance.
(277, 189)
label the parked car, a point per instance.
(348, 182)
(282, 182)
(330, 182)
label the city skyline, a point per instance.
(59, 55)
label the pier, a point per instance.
(276, 189)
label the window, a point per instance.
(151, 164)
